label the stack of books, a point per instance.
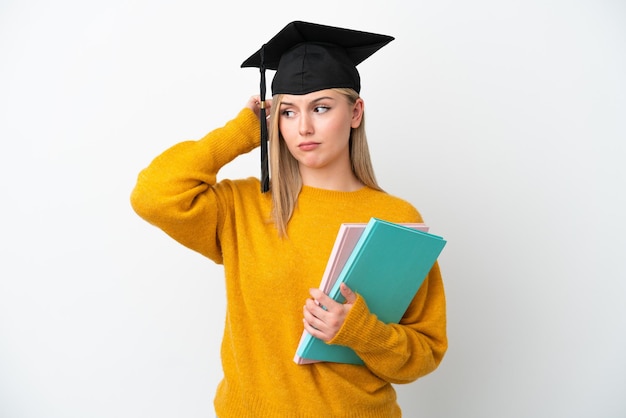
(386, 263)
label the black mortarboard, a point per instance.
(309, 57)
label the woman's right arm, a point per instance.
(176, 191)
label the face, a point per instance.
(316, 128)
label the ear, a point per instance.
(357, 113)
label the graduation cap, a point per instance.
(309, 57)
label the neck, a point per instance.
(339, 180)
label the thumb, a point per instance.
(347, 293)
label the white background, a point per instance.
(502, 121)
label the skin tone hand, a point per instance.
(325, 323)
(254, 104)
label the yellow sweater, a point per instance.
(267, 283)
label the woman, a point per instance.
(274, 246)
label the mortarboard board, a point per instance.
(309, 57)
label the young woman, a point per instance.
(274, 246)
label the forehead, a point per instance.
(303, 99)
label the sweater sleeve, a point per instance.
(177, 192)
(404, 352)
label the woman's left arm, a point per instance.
(398, 353)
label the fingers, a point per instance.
(321, 298)
(316, 332)
(327, 301)
(319, 322)
(323, 316)
(347, 293)
(254, 104)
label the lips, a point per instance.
(308, 146)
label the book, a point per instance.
(386, 265)
(347, 237)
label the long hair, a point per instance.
(286, 181)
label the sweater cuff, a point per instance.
(222, 145)
(249, 127)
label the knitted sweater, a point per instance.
(268, 279)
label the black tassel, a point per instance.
(265, 175)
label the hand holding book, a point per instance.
(323, 316)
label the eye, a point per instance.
(321, 109)
(287, 113)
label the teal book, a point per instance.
(386, 267)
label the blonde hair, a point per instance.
(286, 182)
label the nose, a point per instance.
(305, 125)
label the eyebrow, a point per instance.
(319, 99)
